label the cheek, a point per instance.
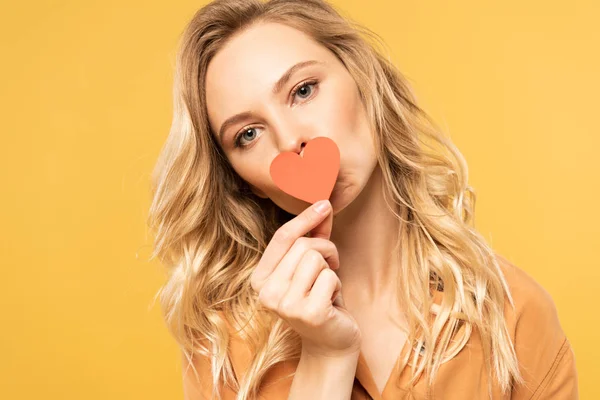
(344, 111)
(249, 172)
(256, 174)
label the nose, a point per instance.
(302, 151)
(293, 141)
(291, 133)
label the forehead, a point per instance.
(244, 70)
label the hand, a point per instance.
(294, 280)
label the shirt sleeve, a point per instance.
(561, 380)
(546, 358)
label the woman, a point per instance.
(387, 291)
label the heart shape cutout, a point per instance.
(311, 177)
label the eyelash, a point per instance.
(314, 82)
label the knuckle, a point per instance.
(268, 297)
(334, 248)
(313, 256)
(330, 274)
(326, 274)
(302, 242)
(336, 279)
(282, 235)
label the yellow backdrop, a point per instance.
(86, 105)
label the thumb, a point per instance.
(323, 230)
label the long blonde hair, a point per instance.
(211, 230)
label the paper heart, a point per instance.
(311, 177)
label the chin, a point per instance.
(340, 197)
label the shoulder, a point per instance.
(198, 370)
(545, 356)
(274, 384)
(534, 306)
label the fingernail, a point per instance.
(322, 206)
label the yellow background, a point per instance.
(85, 99)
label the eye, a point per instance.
(302, 92)
(240, 136)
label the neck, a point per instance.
(365, 234)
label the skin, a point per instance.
(240, 78)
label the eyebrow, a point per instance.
(276, 89)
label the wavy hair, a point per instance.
(210, 229)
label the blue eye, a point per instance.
(305, 84)
(241, 134)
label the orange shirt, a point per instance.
(546, 359)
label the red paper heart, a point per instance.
(311, 177)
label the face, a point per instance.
(319, 98)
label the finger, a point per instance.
(272, 293)
(325, 287)
(312, 264)
(323, 230)
(282, 241)
(293, 261)
(339, 300)
(288, 265)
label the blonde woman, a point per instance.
(383, 291)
